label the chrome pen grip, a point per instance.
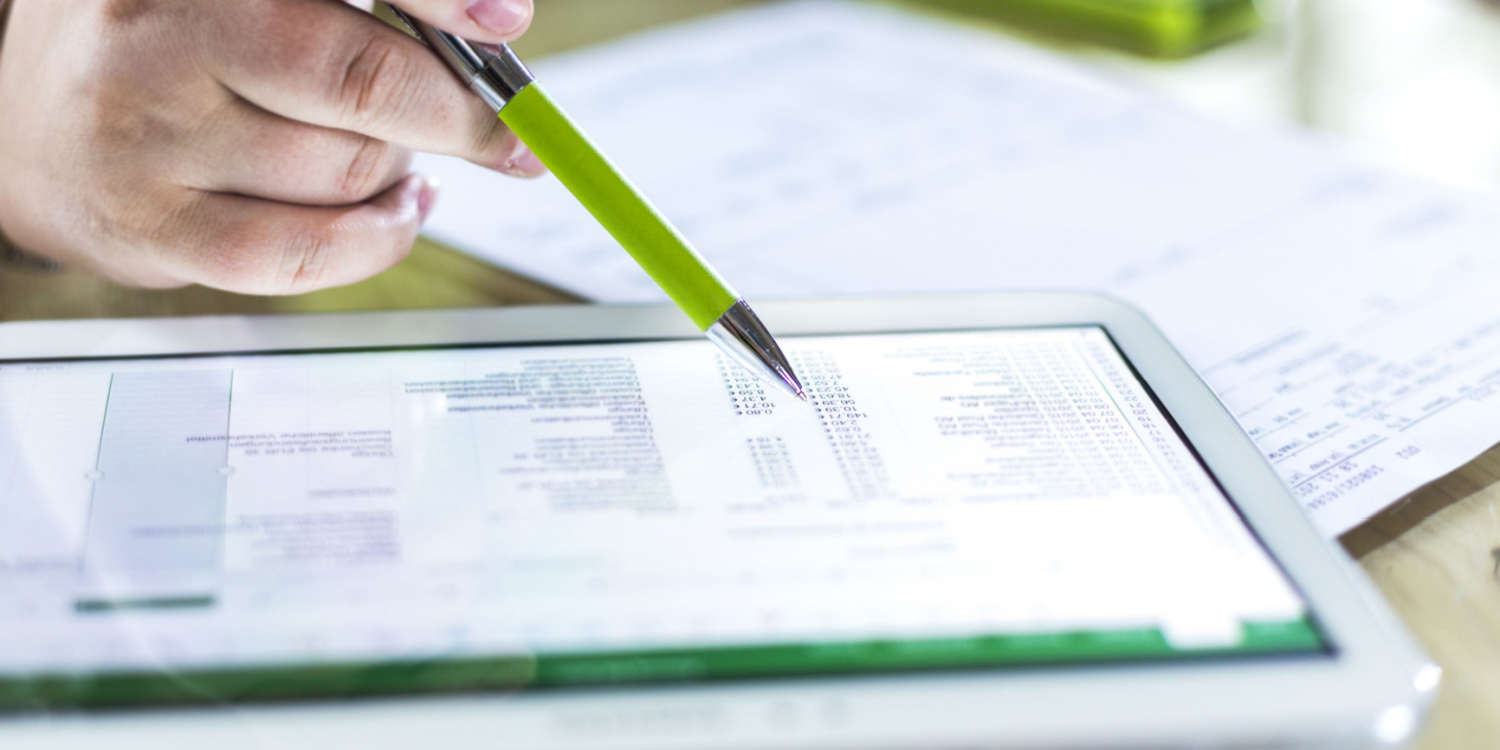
(493, 71)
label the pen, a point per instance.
(500, 78)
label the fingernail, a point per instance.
(523, 163)
(427, 198)
(500, 16)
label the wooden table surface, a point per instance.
(1435, 554)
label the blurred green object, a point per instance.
(1159, 28)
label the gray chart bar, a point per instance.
(156, 525)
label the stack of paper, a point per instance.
(1347, 317)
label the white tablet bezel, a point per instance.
(1371, 692)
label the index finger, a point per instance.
(336, 66)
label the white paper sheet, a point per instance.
(1348, 317)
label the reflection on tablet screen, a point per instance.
(545, 516)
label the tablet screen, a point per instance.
(274, 525)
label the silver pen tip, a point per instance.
(788, 379)
(740, 334)
(796, 385)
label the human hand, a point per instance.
(258, 146)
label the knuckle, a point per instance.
(367, 171)
(150, 220)
(492, 141)
(306, 260)
(377, 83)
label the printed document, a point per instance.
(1347, 317)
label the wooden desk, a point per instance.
(1433, 554)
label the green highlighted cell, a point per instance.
(99, 606)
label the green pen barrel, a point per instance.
(631, 219)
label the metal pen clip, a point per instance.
(492, 70)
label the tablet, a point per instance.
(999, 521)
